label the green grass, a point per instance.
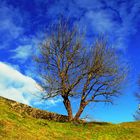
(14, 126)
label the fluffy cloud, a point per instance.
(18, 87)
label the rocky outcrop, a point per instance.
(26, 110)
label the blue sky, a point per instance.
(24, 24)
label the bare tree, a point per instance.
(137, 114)
(69, 68)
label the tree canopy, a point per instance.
(71, 68)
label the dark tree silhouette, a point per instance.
(70, 69)
(137, 114)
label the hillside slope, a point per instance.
(20, 122)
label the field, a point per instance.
(16, 126)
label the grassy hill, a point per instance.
(21, 122)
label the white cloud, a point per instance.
(22, 53)
(118, 21)
(28, 47)
(101, 21)
(21, 88)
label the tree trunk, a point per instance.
(68, 108)
(81, 109)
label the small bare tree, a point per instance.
(69, 68)
(137, 114)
